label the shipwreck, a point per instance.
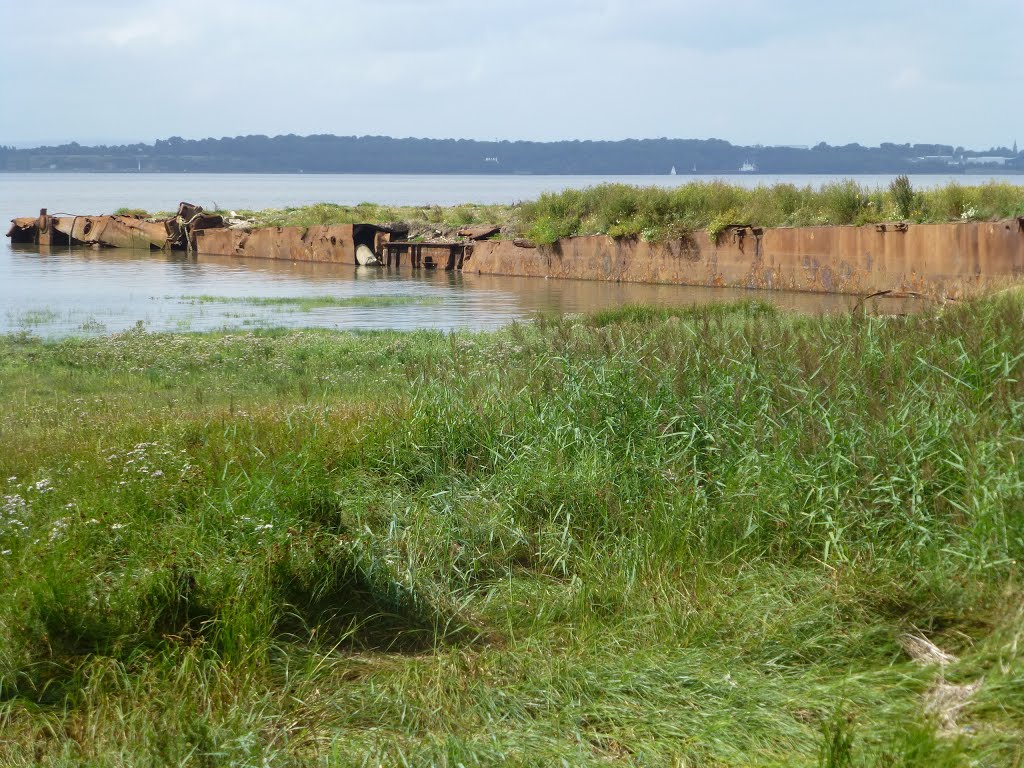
(949, 260)
(196, 231)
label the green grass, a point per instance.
(34, 317)
(423, 219)
(92, 325)
(659, 214)
(141, 213)
(644, 537)
(309, 303)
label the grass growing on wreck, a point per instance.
(661, 213)
(650, 536)
(657, 213)
(421, 219)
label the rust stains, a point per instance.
(427, 254)
(479, 233)
(328, 243)
(97, 231)
(935, 260)
(197, 231)
(174, 232)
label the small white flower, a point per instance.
(5, 552)
(118, 526)
(266, 527)
(13, 503)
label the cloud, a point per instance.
(163, 30)
(908, 78)
(744, 70)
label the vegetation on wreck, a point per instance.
(659, 214)
(651, 536)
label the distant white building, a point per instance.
(987, 160)
(947, 159)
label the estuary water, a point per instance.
(75, 291)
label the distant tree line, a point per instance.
(382, 154)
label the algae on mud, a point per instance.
(648, 536)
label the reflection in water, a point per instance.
(65, 291)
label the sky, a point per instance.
(115, 71)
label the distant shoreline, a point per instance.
(708, 175)
(387, 155)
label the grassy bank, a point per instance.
(654, 213)
(657, 213)
(643, 537)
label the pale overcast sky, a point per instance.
(745, 71)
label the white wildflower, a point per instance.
(14, 503)
(57, 531)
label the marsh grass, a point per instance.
(140, 213)
(92, 325)
(425, 218)
(903, 197)
(650, 536)
(33, 317)
(660, 213)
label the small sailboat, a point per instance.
(673, 171)
(748, 167)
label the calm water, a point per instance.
(81, 291)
